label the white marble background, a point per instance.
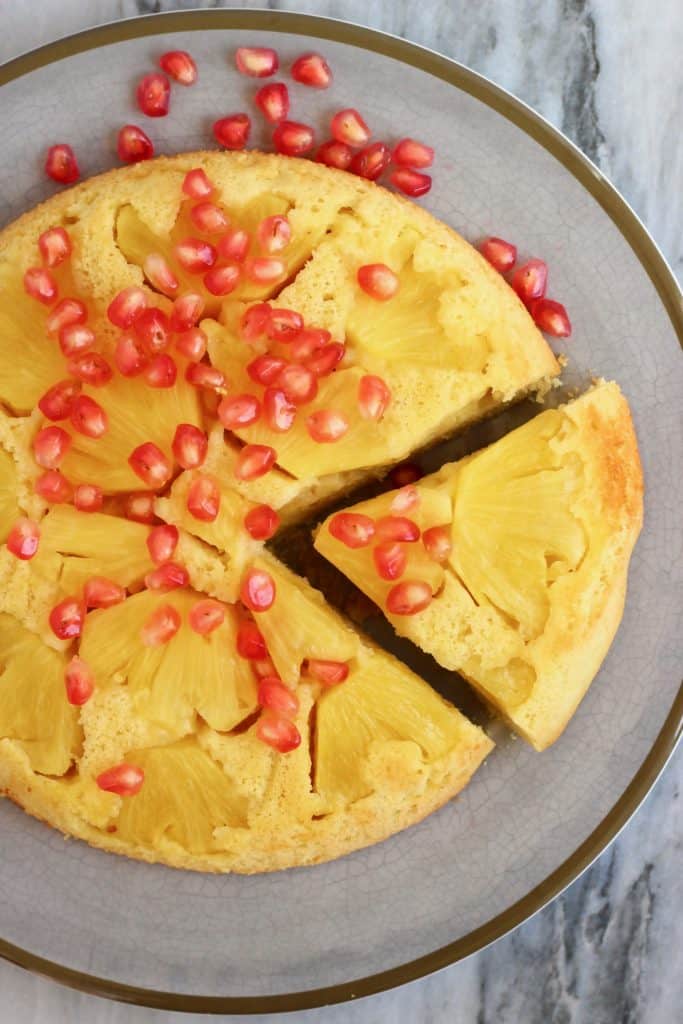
(609, 73)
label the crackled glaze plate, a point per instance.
(528, 824)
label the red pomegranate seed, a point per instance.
(23, 539)
(284, 325)
(100, 592)
(313, 70)
(66, 618)
(153, 94)
(130, 356)
(232, 132)
(126, 307)
(58, 401)
(390, 560)
(257, 592)
(192, 344)
(196, 185)
(61, 164)
(262, 667)
(88, 417)
(373, 397)
(405, 473)
(411, 183)
(153, 329)
(206, 615)
(278, 732)
(190, 445)
(91, 368)
(308, 341)
(261, 522)
(53, 487)
(187, 311)
(530, 280)
(195, 255)
(273, 694)
(79, 682)
(161, 626)
(233, 245)
(124, 780)
(378, 281)
(162, 542)
(405, 499)
(75, 339)
(133, 145)
(239, 411)
(325, 359)
(169, 576)
(293, 138)
(41, 285)
(264, 271)
(208, 218)
(254, 460)
(254, 322)
(250, 642)
(273, 101)
(159, 274)
(299, 384)
(50, 445)
(329, 673)
(274, 234)
(222, 280)
(500, 254)
(437, 542)
(398, 528)
(335, 154)
(256, 61)
(161, 371)
(349, 127)
(352, 528)
(265, 369)
(551, 317)
(371, 161)
(149, 463)
(65, 314)
(327, 425)
(410, 153)
(409, 597)
(278, 412)
(180, 66)
(201, 375)
(88, 498)
(204, 498)
(139, 506)
(55, 246)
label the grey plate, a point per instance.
(528, 823)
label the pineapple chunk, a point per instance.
(95, 545)
(9, 510)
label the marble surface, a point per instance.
(606, 951)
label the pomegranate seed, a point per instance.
(378, 281)
(192, 344)
(551, 317)
(196, 185)
(41, 285)
(256, 61)
(91, 368)
(208, 218)
(55, 246)
(61, 164)
(398, 528)
(66, 618)
(187, 310)
(201, 375)
(308, 341)
(79, 682)
(50, 445)
(278, 732)
(530, 280)
(293, 138)
(262, 667)
(133, 145)
(274, 234)
(126, 307)
(326, 359)
(349, 127)
(233, 245)
(405, 473)
(261, 522)
(129, 356)
(204, 498)
(284, 325)
(327, 425)
(335, 154)
(239, 411)
(264, 271)
(273, 694)
(232, 132)
(180, 66)
(169, 576)
(371, 161)
(88, 417)
(190, 445)
(373, 397)
(411, 183)
(162, 542)
(153, 329)
(23, 539)
(161, 626)
(65, 314)
(159, 274)
(266, 368)
(195, 255)
(250, 642)
(298, 383)
(254, 322)
(352, 528)
(313, 70)
(437, 542)
(409, 597)
(124, 780)
(75, 339)
(329, 673)
(149, 463)
(100, 592)
(53, 487)
(254, 460)
(273, 101)
(390, 560)
(58, 401)
(88, 498)
(153, 94)
(139, 506)
(161, 371)
(257, 592)
(222, 280)
(278, 412)
(405, 499)
(410, 153)
(500, 254)
(206, 615)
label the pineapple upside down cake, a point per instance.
(198, 350)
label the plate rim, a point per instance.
(655, 265)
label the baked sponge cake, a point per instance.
(510, 566)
